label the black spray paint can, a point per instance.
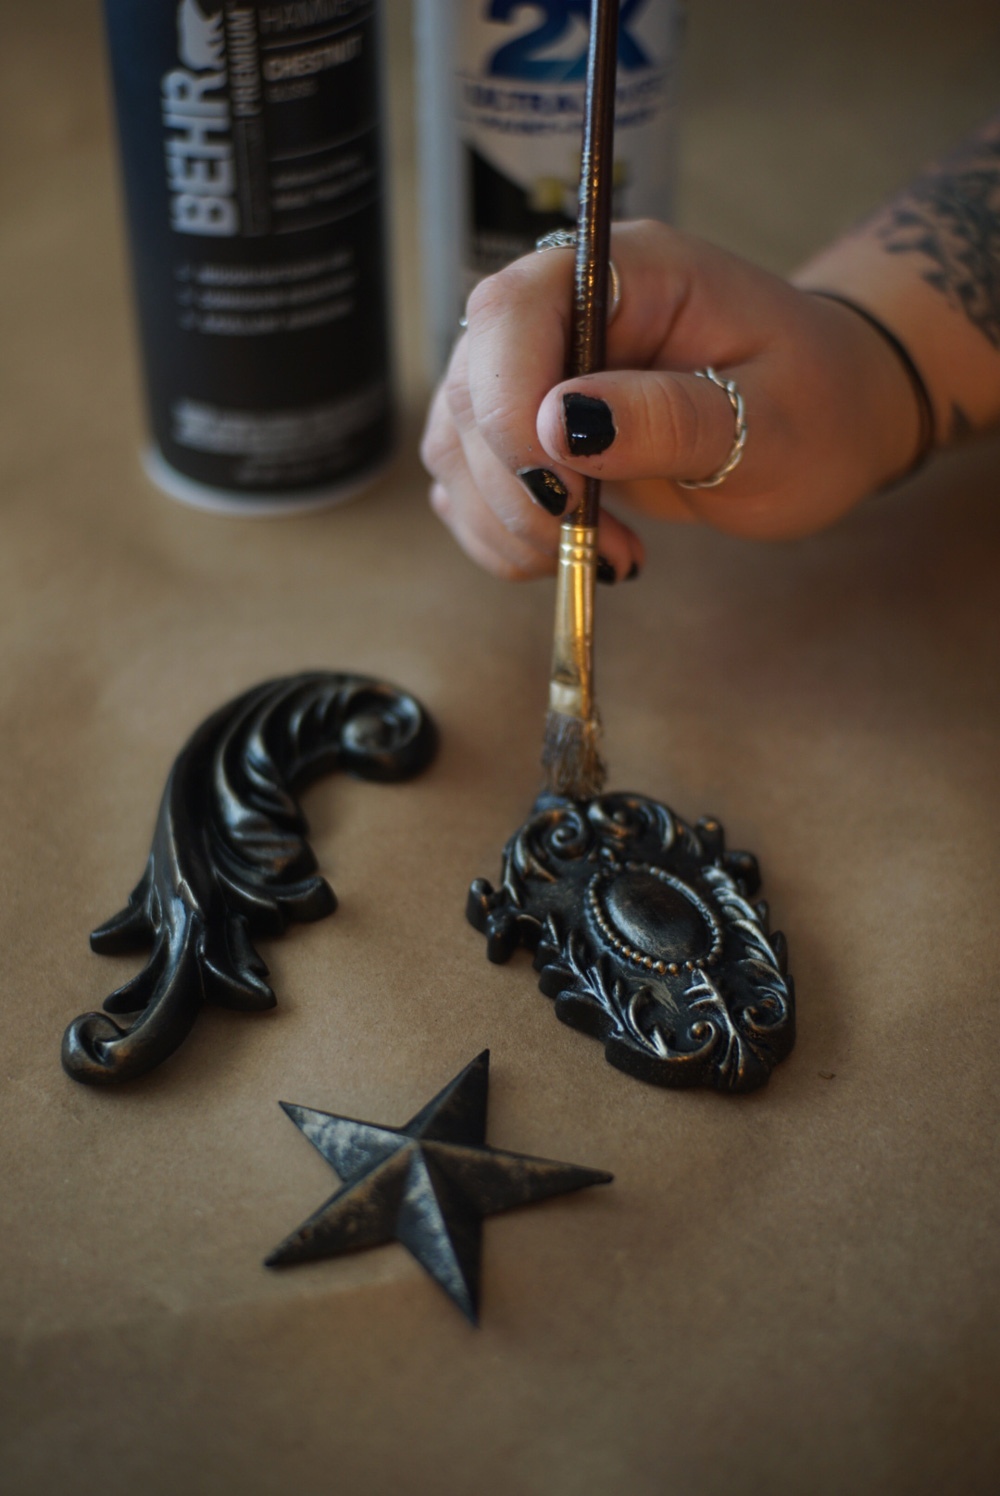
(252, 160)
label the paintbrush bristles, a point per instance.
(571, 757)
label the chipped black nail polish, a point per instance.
(590, 426)
(632, 572)
(605, 571)
(545, 488)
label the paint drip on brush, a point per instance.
(251, 149)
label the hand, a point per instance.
(831, 414)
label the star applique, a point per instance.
(428, 1184)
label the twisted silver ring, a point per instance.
(566, 239)
(728, 388)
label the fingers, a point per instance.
(506, 462)
(515, 351)
(625, 424)
(480, 535)
(510, 439)
(485, 541)
(488, 509)
(511, 385)
(457, 500)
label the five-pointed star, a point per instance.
(428, 1184)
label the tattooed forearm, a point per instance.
(951, 217)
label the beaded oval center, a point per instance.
(654, 919)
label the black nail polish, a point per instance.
(632, 572)
(545, 488)
(589, 424)
(605, 571)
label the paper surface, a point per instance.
(790, 1292)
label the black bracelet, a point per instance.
(925, 409)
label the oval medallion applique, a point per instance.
(645, 936)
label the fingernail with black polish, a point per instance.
(605, 571)
(545, 488)
(632, 572)
(589, 423)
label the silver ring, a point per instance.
(728, 387)
(557, 239)
(566, 239)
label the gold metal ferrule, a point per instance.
(571, 687)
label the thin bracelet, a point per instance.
(924, 407)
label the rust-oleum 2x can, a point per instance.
(252, 159)
(501, 88)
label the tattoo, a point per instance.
(951, 216)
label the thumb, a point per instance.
(625, 424)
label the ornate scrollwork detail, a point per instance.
(644, 935)
(230, 859)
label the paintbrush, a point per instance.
(571, 755)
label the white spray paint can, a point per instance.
(500, 88)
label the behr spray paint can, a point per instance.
(501, 88)
(252, 161)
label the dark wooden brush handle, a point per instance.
(593, 230)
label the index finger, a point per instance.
(517, 338)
